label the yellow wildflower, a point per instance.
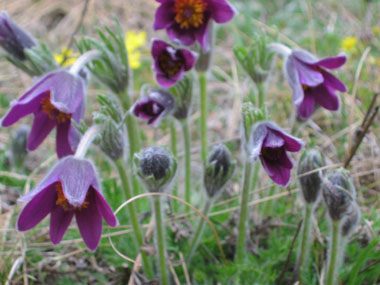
(67, 54)
(376, 30)
(349, 44)
(134, 41)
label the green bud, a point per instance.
(156, 168)
(311, 159)
(218, 170)
(18, 145)
(182, 93)
(251, 115)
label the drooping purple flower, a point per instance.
(70, 189)
(188, 20)
(270, 143)
(170, 64)
(153, 106)
(13, 38)
(54, 100)
(311, 83)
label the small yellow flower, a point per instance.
(376, 30)
(134, 41)
(349, 44)
(70, 56)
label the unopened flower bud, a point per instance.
(339, 194)
(251, 115)
(351, 221)
(112, 139)
(311, 159)
(183, 94)
(156, 168)
(218, 171)
(18, 145)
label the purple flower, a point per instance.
(154, 106)
(188, 20)
(13, 38)
(270, 143)
(71, 188)
(311, 83)
(170, 64)
(54, 100)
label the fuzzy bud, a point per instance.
(339, 194)
(218, 171)
(351, 221)
(112, 139)
(18, 145)
(156, 168)
(311, 159)
(251, 115)
(183, 93)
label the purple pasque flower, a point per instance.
(311, 83)
(54, 100)
(270, 143)
(13, 38)
(153, 106)
(188, 20)
(170, 63)
(70, 189)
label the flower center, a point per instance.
(305, 87)
(169, 66)
(62, 200)
(272, 153)
(152, 109)
(189, 13)
(53, 113)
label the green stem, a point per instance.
(261, 90)
(120, 165)
(334, 252)
(198, 232)
(303, 253)
(160, 239)
(187, 141)
(203, 94)
(240, 247)
(173, 143)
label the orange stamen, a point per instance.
(189, 13)
(53, 113)
(62, 200)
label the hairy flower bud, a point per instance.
(112, 140)
(18, 145)
(311, 159)
(339, 193)
(156, 168)
(218, 171)
(351, 221)
(251, 115)
(183, 94)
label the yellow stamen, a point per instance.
(189, 13)
(53, 113)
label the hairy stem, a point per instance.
(334, 253)
(187, 141)
(203, 94)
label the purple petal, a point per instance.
(202, 34)
(165, 81)
(276, 172)
(308, 75)
(285, 161)
(59, 222)
(104, 209)
(189, 58)
(292, 144)
(164, 16)
(63, 145)
(89, 223)
(186, 37)
(37, 209)
(74, 138)
(304, 56)
(158, 47)
(291, 76)
(326, 97)
(307, 106)
(332, 62)
(333, 82)
(221, 10)
(256, 140)
(42, 126)
(273, 139)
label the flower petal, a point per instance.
(164, 16)
(186, 37)
(292, 144)
(59, 222)
(273, 139)
(333, 82)
(42, 126)
(276, 172)
(256, 140)
(306, 108)
(165, 81)
(326, 97)
(37, 209)
(332, 62)
(221, 10)
(202, 35)
(189, 58)
(104, 209)
(308, 75)
(291, 76)
(158, 47)
(304, 56)
(63, 145)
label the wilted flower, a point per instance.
(156, 168)
(218, 170)
(153, 106)
(170, 63)
(270, 143)
(13, 38)
(71, 188)
(54, 100)
(311, 83)
(188, 20)
(134, 41)
(311, 159)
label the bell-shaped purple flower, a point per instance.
(170, 64)
(54, 100)
(153, 106)
(70, 189)
(188, 20)
(311, 83)
(13, 38)
(270, 143)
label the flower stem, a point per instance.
(173, 143)
(86, 141)
(120, 165)
(187, 141)
(160, 239)
(303, 254)
(334, 253)
(83, 60)
(198, 232)
(203, 94)
(261, 97)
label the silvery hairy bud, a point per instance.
(183, 94)
(339, 194)
(156, 168)
(18, 145)
(311, 159)
(351, 221)
(218, 170)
